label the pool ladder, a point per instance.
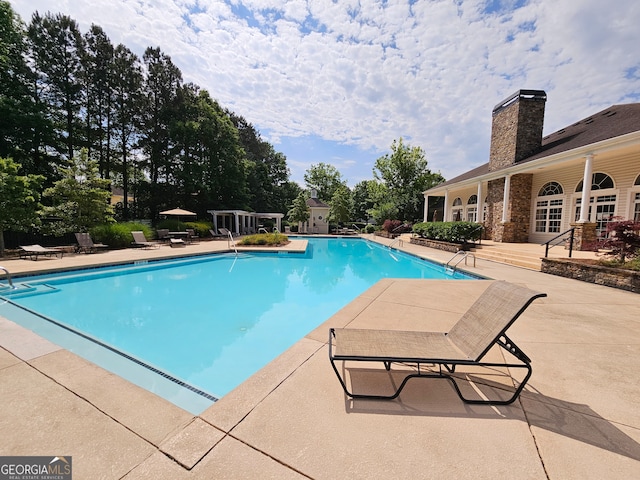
(460, 255)
(8, 278)
(232, 243)
(398, 240)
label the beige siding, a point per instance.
(623, 171)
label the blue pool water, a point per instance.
(208, 322)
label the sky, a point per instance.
(337, 81)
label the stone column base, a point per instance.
(584, 236)
(504, 232)
(509, 232)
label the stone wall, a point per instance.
(516, 130)
(446, 246)
(520, 207)
(598, 274)
(516, 229)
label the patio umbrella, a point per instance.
(178, 212)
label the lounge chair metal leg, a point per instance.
(507, 345)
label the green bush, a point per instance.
(370, 228)
(271, 239)
(201, 227)
(118, 235)
(454, 232)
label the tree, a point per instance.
(80, 200)
(267, 171)
(326, 179)
(362, 200)
(14, 86)
(19, 199)
(127, 76)
(623, 240)
(341, 205)
(98, 78)
(299, 211)
(57, 47)
(405, 174)
(160, 92)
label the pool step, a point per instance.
(504, 254)
(26, 290)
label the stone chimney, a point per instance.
(516, 129)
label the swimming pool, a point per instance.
(192, 329)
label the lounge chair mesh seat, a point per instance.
(86, 245)
(139, 240)
(480, 328)
(34, 251)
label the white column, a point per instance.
(480, 208)
(586, 189)
(445, 214)
(505, 198)
(237, 223)
(425, 213)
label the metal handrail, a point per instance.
(8, 278)
(231, 242)
(464, 257)
(479, 227)
(549, 244)
(397, 240)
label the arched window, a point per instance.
(551, 188)
(456, 210)
(599, 181)
(605, 202)
(549, 208)
(472, 209)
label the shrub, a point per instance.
(201, 228)
(118, 235)
(369, 228)
(623, 241)
(391, 225)
(455, 232)
(270, 239)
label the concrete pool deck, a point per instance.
(578, 417)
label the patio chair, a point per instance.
(217, 235)
(86, 245)
(191, 236)
(139, 240)
(34, 251)
(478, 330)
(163, 234)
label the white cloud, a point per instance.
(367, 72)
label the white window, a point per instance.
(456, 210)
(603, 200)
(549, 208)
(472, 209)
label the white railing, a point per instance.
(463, 256)
(231, 242)
(8, 277)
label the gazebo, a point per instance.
(242, 222)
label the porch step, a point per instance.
(502, 254)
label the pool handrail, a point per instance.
(8, 278)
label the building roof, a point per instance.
(611, 122)
(315, 203)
